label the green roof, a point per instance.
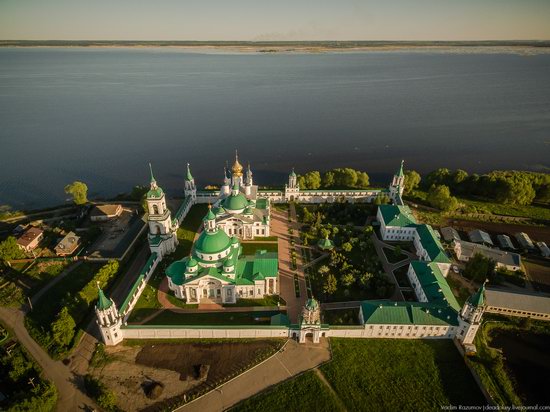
(434, 284)
(280, 319)
(325, 244)
(385, 312)
(210, 215)
(478, 298)
(397, 215)
(312, 304)
(102, 302)
(235, 202)
(155, 193)
(400, 171)
(188, 177)
(431, 243)
(212, 242)
(247, 211)
(261, 203)
(292, 173)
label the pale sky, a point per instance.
(274, 20)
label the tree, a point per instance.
(412, 180)
(330, 285)
(440, 197)
(312, 180)
(9, 250)
(348, 279)
(63, 327)
(79, 191)
(381, 199)
(479, 268)
(365, 279)
(362, 180)
(328, 179)
(440, 176)
(323, 270)
(17, 365)
(347, 247)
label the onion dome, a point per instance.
(293, 174)
(192, 262)
(237, 168)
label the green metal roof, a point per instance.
(312, 304)
(325, 244)
(102, 302)
(261, 203)
(397, 215)
(400, 171)
(188, 177)
(280, 319)
(210, 215)
(235, 202)
(431, 243)
(293, 173)
(434, 284)
(212, 242)
(478, 298)
(385, 312)
(155, 193)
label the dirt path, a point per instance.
(390, 267)
(330, 388)
(162, 295)
(293, 359)
(69, 385)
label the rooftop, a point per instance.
(469, 249)
(397, 215)
(521, 301)
(385, 312)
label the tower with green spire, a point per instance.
(292, 189)
(190, 188)
(470, 316)
(108, 319)
(398, 182)
(162, 228)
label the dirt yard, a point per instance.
(537, 233)
(538, 270)
(178, 367)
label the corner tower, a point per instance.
(398, 182)
(470, 316)
(108, 319)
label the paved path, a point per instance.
(280, 226)
(390, 267)
(292, 360)
(69, 386)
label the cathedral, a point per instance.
(239, 211)
(218, 272)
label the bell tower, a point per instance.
(190, 188)
(162, 228)
(292, 189)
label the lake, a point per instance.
(101, 114)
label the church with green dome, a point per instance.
(239, 211)
(217, 271)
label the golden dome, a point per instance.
(237, 168)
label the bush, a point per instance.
(100, 393)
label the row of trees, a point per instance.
(511, 187)
(339, 177)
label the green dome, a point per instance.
(192, 262)
(234, 240)
(312, 304)
(247, 211)
(212, 242)
(235, 202)
(227, 263)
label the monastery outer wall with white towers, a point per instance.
(241, 211)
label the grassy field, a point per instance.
(399, 375)
(188, 229)
(306, 392)
(46, 309)
(168, 317)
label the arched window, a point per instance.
(155, 209)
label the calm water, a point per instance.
(99, 115)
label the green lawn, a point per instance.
(168, 317)
(188, 229)
(399, 375)
(341, 316)
(46, 309)
(303, 393)
(251, 248)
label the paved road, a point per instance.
(294, 359)
(69, 386)
(294, 304)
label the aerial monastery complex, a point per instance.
(217, 271)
